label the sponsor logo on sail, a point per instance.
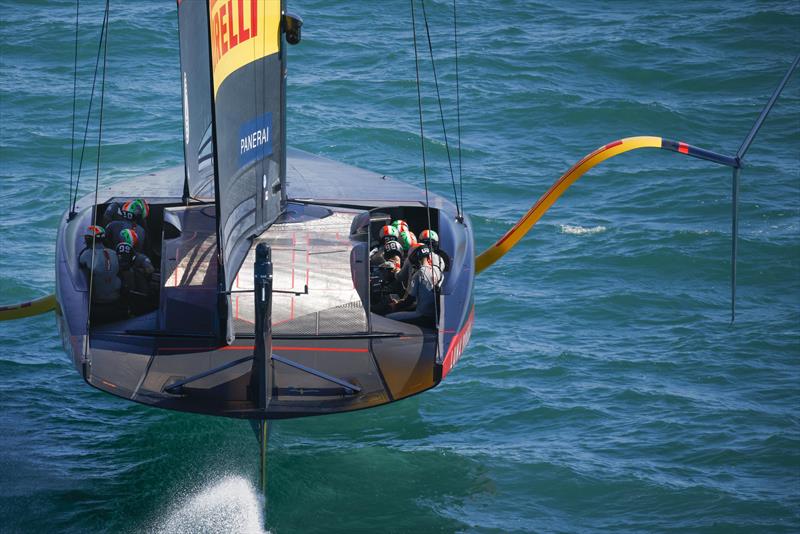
(242, 31)
(255, 139)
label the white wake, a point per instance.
(231, 505)
(581, 230)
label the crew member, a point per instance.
(101, 265)
(135, 270)
(431, 238)
(392, 257)
(113, 213)
(129, 215)
(384, 283)
(139, 208)
(422, 290)
(387, 233)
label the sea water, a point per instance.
(604, 388)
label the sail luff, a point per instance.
(196, 99)
(223, 300)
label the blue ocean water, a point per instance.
(604, 388)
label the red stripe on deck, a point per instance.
(294, 252)
(683, 148)
(304, 349)
(253, 347)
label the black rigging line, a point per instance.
(458, 106)
(441, 111)
(74, 100)
(434, 281)
(104, 44)
(89, 112)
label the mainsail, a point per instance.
(233, 98)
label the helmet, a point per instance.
(389, 231)
(392, 249)
(112, 213)
(400, 224)
(430, 237)
(418, 252)
(129, 236)
(94, 234)
(125, 254)
(407, 239)
(135, 209)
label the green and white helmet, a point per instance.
(407, 239)
(430, 237)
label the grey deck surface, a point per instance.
(309, 178)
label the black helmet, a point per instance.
(112, 213)
(392, 249)
(418, 253)
(125, 254)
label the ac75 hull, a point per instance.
(333, 351)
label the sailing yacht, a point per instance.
(265, 307)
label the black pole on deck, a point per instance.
(261, 382)
(262, 283)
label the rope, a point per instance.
(97, 173)
(458, 106)
(74, 100)
(422, 143)
(441, 111)
(89, 113)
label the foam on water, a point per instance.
(228, 505)
(581, 230)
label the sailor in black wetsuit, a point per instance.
(384, 283)
(136, 273)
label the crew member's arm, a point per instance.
(409, 300)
